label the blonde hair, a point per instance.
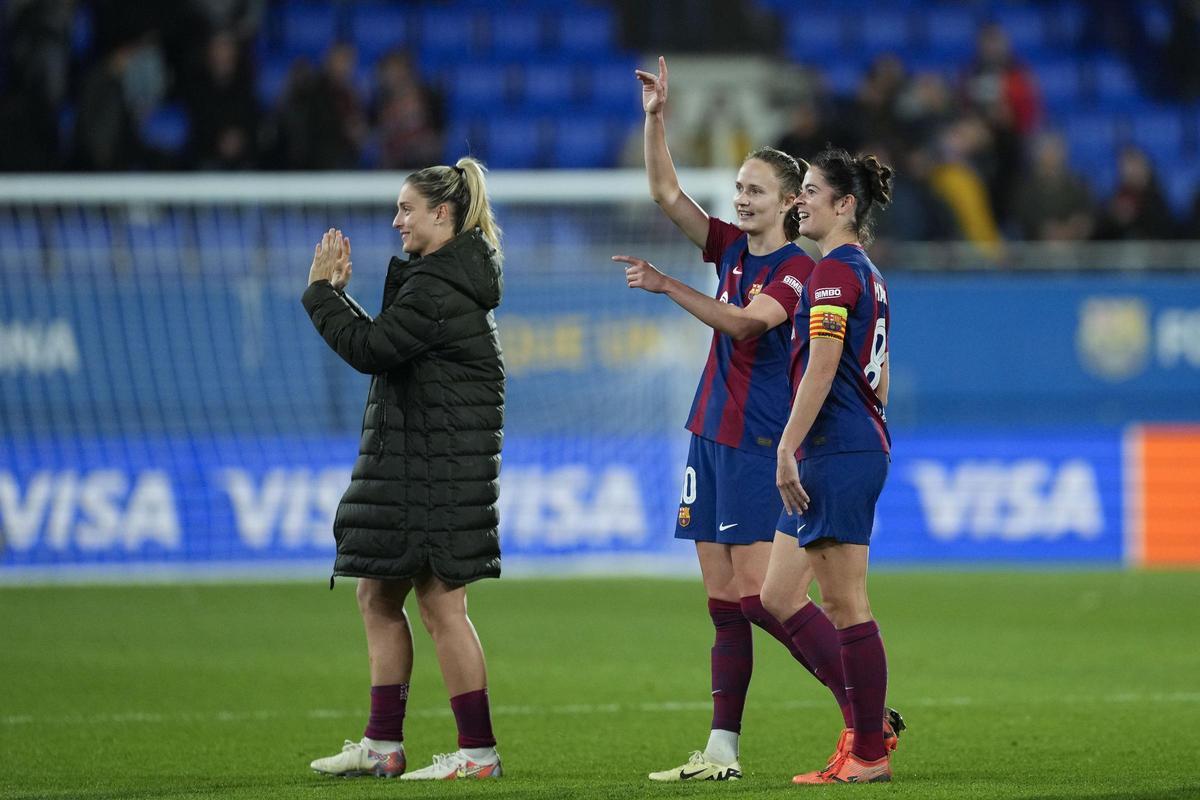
(464, 188)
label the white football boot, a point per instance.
(357, 758)
(457, 766)
(699, 768)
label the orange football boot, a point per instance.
(893, 723)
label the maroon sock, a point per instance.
(732, 663)
(388, 703)
(814, 635)
(865, 666)
(752, 609)
(474, 719)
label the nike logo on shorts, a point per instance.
(727, 527)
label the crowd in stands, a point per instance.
(116, 85)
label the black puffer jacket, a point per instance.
(423, 491)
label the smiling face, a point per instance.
(760, 208)
(820, 213)
(422, 228)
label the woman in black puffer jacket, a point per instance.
(420, 513)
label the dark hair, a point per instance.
(463, 187)
(869, 181)
(790, 172)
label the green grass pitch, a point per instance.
(1014, 684)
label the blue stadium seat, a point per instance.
(884, 32)
(950, 31)
(514, 143)
(1179, 185)
(461, 138)
(548, 85)
(166, 128)
(1025, 26)
(449, 31)
(1113, 80)
(272, 80)
(587, 30)
(841, 78)
(814, 36)
(1160, 132)
(1069, 20)
(473, 87)
(307, 29)
(378, 28)
(515, 31)
(1060, 82)
(585, 142)
(614, 87)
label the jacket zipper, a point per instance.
(383, 414)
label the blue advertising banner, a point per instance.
(968, 498)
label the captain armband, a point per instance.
(827, 322)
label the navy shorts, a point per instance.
(842, 491)
(729, 495)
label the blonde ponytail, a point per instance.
(464, 188)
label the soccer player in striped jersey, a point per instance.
(730, 505)
(833, 459)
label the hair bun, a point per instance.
(878, 179)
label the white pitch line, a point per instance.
(151, 717)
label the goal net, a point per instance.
(166, 405)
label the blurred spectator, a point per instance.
(1137, 209)
(876, 103)
(1180, 76)
(917, 213)
(224, 110)
(809, 133)
(1052, 203)
(320, 123)
(1003, 91)
(241, 18)
(406, 114)
(106, 135)
(37, 63)
(924, 107)
(955, 180)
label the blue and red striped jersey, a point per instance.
(742, 399)
(845, 299)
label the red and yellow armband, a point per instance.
(827, 322)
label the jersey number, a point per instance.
(874, 368)
(689, 487)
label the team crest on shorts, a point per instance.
(685, 516)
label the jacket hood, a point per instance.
(470, 264)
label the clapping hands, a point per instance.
(331, 261)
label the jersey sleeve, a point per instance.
(788, 283)
(720, 235)
(833, 290)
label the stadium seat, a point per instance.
(585, 142)
(548, 85)
(1113, 80)
(840, 78)
(588, 30)
(514, 143)
(461, 138)
(449, 31)
(307, 29)
(884, 32)
(517, 31)
(166, 129)
(811, 37)
(475, 86)
(1179, 185)
(950, 31)
(613, 87)
(1025, 26)
(272, 80)
(1059, 82)
(378, 28)
(1160, 132)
